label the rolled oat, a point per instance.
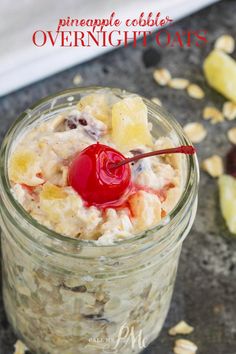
(226, 43)
(213, 166)
(229, 110)
(20, 347)
(181, 328)
(162, 76)
(213, 114)
(195, 132)
(178, 83)
(232, 135)
(184, 346)
(77, 80)
(195, 91)
(157, 101)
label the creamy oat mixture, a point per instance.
(38, 169)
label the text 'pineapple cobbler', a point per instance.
(54, 176)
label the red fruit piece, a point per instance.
(91, 176)
(231, 162)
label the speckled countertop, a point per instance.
(205, 292)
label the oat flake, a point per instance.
(180, 328)
(184, 346)
(229, 110)
(213, 166)
(232, 135)
(157, 101)
(77, 80)
(195, 132)
(195, 91)
(20, 347)
(178, 83)
(225, 43)
(162, 76)
(213, 114)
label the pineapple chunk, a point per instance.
(130, 124)
(63, 211)
(51, 192)
(227, 186)
(220, 72)
(98, 105)
(24, 167)
(58, 203)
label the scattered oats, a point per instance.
(157, 101)
(195, 132)
(213, 166)
(184, 346)
(195, 91)
(229, 110)
(232, 135)
(20, 348)
(225, 43)
(213, 114)
(77, 80)
(178, 83)
(181, 328)
(162, 76)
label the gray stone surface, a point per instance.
(205, 291)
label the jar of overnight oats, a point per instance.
(108, 291)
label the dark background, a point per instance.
(205, 292)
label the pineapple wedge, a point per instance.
(227, 187)
(220, 72)
(98, 105)
(130, 124)
(24, 166)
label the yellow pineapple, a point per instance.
(51, 191)
(24, 167)
(58, 203)
(98, 105)
(130, 124)
(220, 72)
(227, 186)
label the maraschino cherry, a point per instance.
(91, 176)
(102, 176)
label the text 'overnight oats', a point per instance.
(99, 190)
(39, 170)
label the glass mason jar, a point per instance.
(70, 296)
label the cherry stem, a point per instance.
(184, 149)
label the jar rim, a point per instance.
(189, 190)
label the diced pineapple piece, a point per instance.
(58, 204)
(220, 72)
(130, 124)
(24, 167)
(50, 191)
(227, 186)
(146, 208)
(98, 105)
(63, 208)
